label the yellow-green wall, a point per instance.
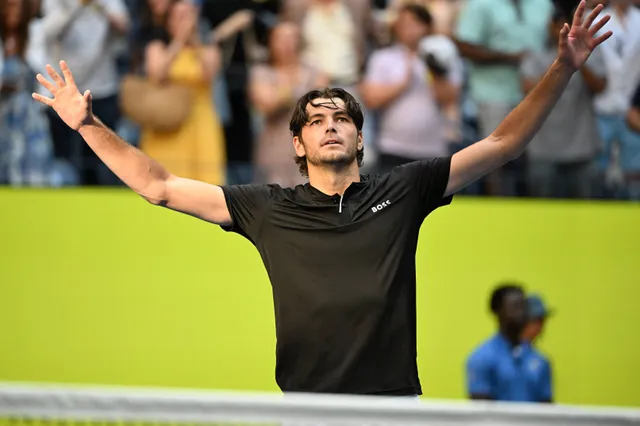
(99, 287)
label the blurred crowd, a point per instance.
(207, 87)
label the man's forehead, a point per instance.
(325, 106)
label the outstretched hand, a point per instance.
(578, 41)
(71, 106)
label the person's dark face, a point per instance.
(513, 312)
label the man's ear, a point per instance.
(360, 141)
(298, 146)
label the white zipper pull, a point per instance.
(340, 206)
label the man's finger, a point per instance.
(68, 77)
(54, 75)
(42, 99)
(598, 26)
(47, 84)
(564, 32)
(602, 38)
(578, 16)
(592, 16)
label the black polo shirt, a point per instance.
(343, 276)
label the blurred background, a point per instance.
(98, 288)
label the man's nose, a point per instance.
(331, 125)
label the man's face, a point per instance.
(330, 136)
(514, 311)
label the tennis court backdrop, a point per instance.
(100, 287)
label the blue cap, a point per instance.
(537, 307)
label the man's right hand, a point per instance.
(71, 106)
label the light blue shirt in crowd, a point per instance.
(494, 24)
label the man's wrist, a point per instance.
(90, 122)
(563, 67)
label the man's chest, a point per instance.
(519, 375)
(362, 228)
(356, 211)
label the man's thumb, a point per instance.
(564, 32)
(87, 95)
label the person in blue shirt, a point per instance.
(505, 367)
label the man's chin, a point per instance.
(336, 159)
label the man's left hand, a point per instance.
(577, 43)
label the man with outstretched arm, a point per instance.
(339, 250)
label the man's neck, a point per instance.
(513, 338)
(332, 181)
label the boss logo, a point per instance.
(380, 206)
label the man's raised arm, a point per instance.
(138, 171)
(511, 137)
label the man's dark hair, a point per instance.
(299, 118)
(499, 294)
(419, 12)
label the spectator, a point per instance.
(495, 35)
(504, 367)
(562, 154)
(633, 120)
(196, 149)
(335, 35)
(84, 33)
(444, 12)
(239, 49)
(538, 313)
(150, 25)
(441, 49)
(407, 90)
(26, 151)
(622, 59)
(275, 89)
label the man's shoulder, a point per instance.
(270, 191)
(484, 352)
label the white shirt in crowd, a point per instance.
(621, 55)
(80, 35)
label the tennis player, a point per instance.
(340, 250)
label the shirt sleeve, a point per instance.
(472, 23)
(478, 374)
(248, 205)
(430, 179)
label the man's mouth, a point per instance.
(331, 142)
